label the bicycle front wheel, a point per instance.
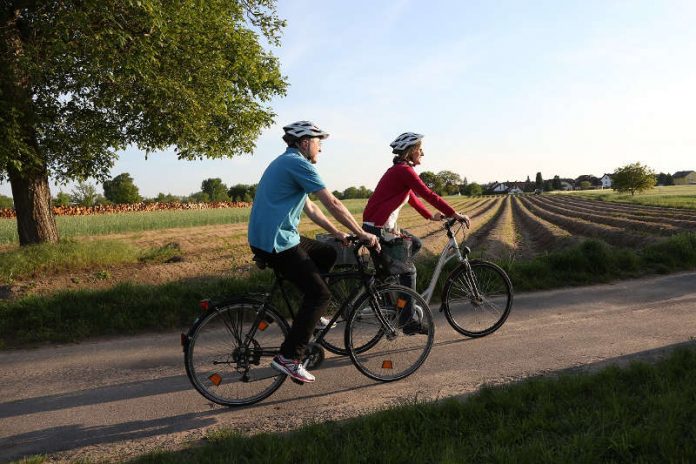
(477, 303)
(228, 352)
(390, 333)
(342, 287)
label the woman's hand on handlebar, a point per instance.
(462, 218)
(438, 216)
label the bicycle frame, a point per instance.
(367, 279)
(450, 250)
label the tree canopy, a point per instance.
(84, 79)
(121, 190)
(215, 189)
(633, 178)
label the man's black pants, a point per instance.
(302, 265)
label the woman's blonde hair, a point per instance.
(404, 156)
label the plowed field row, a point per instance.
(682, 221)
(577, 226)
(600, 218)
(543, 234)
(521, 227)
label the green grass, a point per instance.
(594, 261)
(65, 255)
(643, 413)
(104, 224)
(125, 309)
(672, 196)
(129, 308)
(69, 255)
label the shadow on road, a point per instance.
(68, 437)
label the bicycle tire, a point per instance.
(477, 317)
(215, 365)
(389, 356)
(342, 287)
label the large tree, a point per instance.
(633, 178)
(82, 79)
(215, 189)
(122, 190)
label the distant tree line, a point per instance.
(122, 189)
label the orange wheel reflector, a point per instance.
(387, 364)
(263, 325)
(216, 379)
(401, 303)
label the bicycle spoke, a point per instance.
(229, 365)
(477, 300)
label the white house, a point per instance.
(500, 188)
(606, 181)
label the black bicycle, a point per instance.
(387, 330)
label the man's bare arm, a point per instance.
(342, 215)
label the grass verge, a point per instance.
(125, 309)
(642, 413)
(68, 255)
(62, 256)
(129, 308)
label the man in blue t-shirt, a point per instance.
(281, 196)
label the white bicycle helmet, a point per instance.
(405, 140)
(303, 128)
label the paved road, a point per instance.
(121, 397)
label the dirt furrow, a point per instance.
(594, 217)
(584, 205)
(541, 234)
(610, 234)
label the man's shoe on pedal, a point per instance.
(292, 367)
(414, 327)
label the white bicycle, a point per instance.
(477, 294)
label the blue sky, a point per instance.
(501, 90)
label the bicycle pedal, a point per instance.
(298, 382)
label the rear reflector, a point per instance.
(204, 304)
(387, 364)
(263, 325)
(401, 303)
(216, 379)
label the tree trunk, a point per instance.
(32, 201)
(28, 171)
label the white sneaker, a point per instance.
(323, 322)
(292, 367)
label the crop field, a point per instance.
(520, 227)
(120, 223)
(672, 196)
(213, 242)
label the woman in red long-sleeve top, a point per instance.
(399, 185)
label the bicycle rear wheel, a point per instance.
(397, 350)
(219, 363)
(477, 303)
